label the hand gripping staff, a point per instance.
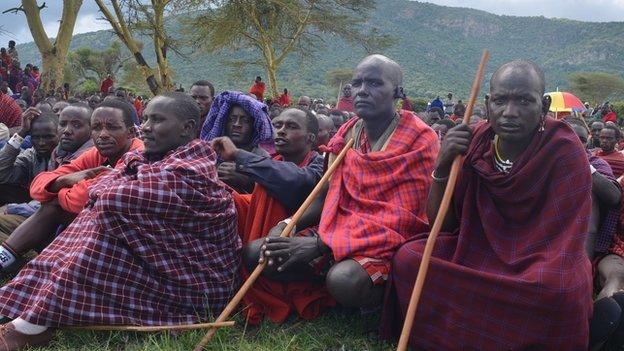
(437, 225)
(286, 232)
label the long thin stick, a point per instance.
(289, 227)
(338, 98)
(437, 225)
(154, 328)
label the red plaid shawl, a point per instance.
(156, 245)
(10, 112)
(515, 275)
(377, 200)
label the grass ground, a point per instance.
(333, 331)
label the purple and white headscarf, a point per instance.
(215, 123)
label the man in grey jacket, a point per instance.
(19, 167)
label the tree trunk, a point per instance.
(272, 73)
(120, 28)
(52, 72)
(148, 73)
(52, 55)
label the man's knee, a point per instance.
(348, 282)
(251, 254)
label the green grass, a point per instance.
(332, 331)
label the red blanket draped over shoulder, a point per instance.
(378, 199)
(615, 159)
(515, 275)
(274, 299)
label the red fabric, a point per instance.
(74, 199)
(10, 112)
(345, 104)
(6, 58)
(514, 275)
(610, 117)
(106, 84)
(138, 106)
(615, 159)
(377, 200)
(274, 299)
(284, 100)
(156, 246)
(257, 89)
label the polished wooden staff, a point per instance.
(135, 328)
(286, 232)
(437, 225)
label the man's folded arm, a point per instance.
(285, 181)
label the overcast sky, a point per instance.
(88, 18)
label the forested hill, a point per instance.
(439, 48)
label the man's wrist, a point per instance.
(439, 175)
(16, 141)
(23, 133)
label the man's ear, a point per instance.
(398, 93)
(546, 101)
(486, 99)
(312, 139)
(189, 127)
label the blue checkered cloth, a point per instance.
(214, 126)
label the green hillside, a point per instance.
(439, 48)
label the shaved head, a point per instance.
(520, 69)
(390, 67)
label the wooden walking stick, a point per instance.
(437, 225)
(135, 328)
(286, 232)
(338, 98)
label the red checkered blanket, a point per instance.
(156, 245)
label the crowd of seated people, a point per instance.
(119, 210)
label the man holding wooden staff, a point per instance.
(509, 271)
(374, 200)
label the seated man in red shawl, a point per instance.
(63, 192)
(283, 183)
(157, 244)
(374, 201)
(609, 137)
(509, 270)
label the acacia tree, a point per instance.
(136, 16)
(53, 54)
(596, 86)
(277, 28)
(88, 64)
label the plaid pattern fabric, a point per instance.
(10, 112)
(615, 159)
(378, 199)
(514, 275)
(157, 245)
(214, 126)
(608, 226)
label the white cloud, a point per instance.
(90, 23)
(582, 10)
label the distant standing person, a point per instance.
(13, 51)
(346, 101)
(106, 84)
(284, 99)
(257, 89)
